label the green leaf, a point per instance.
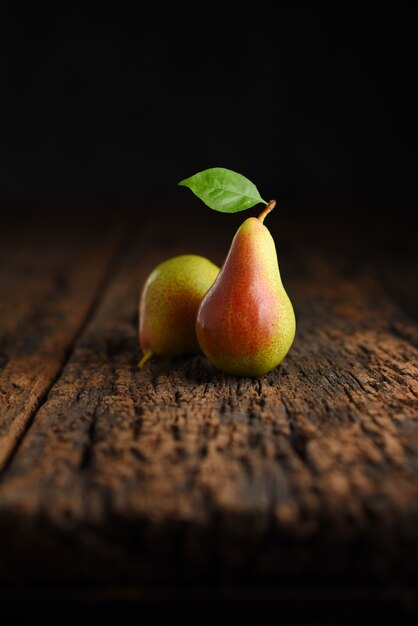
(223, 190)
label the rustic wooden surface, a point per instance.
(178, 473)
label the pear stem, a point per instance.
(267, 210)
(145, 358)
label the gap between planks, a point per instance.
(38, 394)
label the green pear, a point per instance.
(246, 324)
(168, 305)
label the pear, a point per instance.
(168, 305)
(245, 323)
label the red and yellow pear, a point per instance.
(245, 323)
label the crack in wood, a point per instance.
(24, 419)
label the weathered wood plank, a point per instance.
(180, 470)
(50, 276)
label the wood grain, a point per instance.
(178, 472)
(49, 280)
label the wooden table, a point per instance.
(177, 476)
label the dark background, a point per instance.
(118, 101)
